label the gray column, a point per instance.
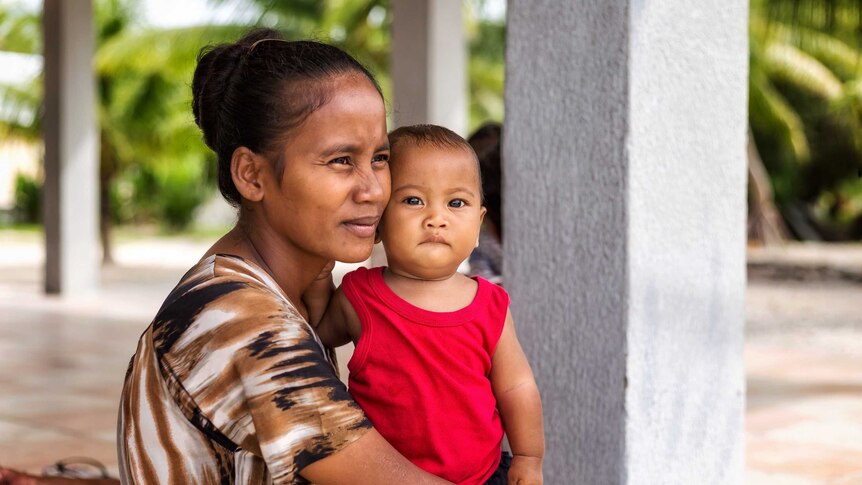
(429, 64)
(624, 234)
(71, 148)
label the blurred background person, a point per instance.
(487, 259)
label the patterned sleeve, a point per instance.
(255, 370)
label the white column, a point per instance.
(625, 202)
(429, 64)
(71, 211)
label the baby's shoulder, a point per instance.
(494, 293)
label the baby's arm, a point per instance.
(340, 324)
(520, 407)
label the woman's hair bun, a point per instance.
(217, 70)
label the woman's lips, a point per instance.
(362, 227)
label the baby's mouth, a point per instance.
(435, 238)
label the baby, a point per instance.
(438, 368)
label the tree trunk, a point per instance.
(765, 224)
(107, 172)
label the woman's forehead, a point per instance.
(354, 113)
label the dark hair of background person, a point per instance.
(252, 92)
(436, 136)
(486, 142)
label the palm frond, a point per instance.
(770, 113)
(788, 64)
(170, 51)
(19, 111)
(20, 31)
(840, 17)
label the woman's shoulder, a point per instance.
(222, 294)
(219, 275)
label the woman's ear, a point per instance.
(245, 170)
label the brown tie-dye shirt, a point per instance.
(230, 385)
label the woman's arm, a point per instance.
(520, 407)
(370, 460)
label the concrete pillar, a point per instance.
(71, 149)
(625, 212)
(429, 64)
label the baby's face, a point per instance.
(433, 218)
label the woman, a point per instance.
(229, 383)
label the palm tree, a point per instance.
(145, 120)
(19, 102)
(804, 111)
(362, 28)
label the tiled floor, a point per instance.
(62, 369)
(804, 374)
(62, 363)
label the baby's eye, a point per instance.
(413, 201)
(457, 203)
(340, 161)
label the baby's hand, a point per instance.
(525, 470)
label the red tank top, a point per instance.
(422, 377)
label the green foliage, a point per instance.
(19, 110)
(28, 200)
(362, 28)
(487, 41)
(152, 158)
(20, 30)
(805, 107)
(179, 193)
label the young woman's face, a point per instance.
(335, 181)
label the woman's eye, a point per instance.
(413, 201)
(457, 203)
(383, 157)
(340, 161)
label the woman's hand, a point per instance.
(525, 470)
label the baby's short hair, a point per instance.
(436, 136)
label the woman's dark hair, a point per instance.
(253, 92)
(486, 143)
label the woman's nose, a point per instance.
(372, 186)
